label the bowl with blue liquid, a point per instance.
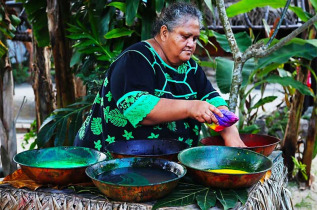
(136, 179)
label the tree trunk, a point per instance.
(58, 15)
(312, 131)
(42, 84)
(289, 144)
(7, 123)
(310, 141)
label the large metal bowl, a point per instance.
(58, 165)
(262, 144)
(136, 179)
(153, 148)
(198, 160)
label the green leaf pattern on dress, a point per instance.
(196, 130)
(158, 93)
(106, 113)
(157, 127)
(109, 96)
(110, 139)
(189, 142)
(153, 136)
(182, 68)
(96, 126)
(186, 125)
(172, 126)
(168, 77)
(180, 138)
(127, 135)
(117, 118)
(97, 99)
(105, 83)
(128, 101)
(98, 145)
(82, 130)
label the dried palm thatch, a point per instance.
(11, 199)
(272, 194)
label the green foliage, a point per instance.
(283, 54)
(30, 136)
(8, 24)
(315, 148)
(20, 74)
(258, 73)
(277, 121)
(55, 126)
(36, 11)
(3, 49)
(306, 203)
(299, 167)
(250, 129)
(242, 38)
(189, 193)
(246, 6)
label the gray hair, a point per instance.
(174, 15)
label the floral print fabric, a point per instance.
(133, 85)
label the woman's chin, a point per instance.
(185, 58)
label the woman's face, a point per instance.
(180, 43)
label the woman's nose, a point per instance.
(191, 43)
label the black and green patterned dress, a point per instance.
(134, 84)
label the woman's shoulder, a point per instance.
(139, 47)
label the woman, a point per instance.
(154, 90)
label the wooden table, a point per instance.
(272, 194)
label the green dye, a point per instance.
(60, 164)
(136, 176)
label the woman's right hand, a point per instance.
(203, 111)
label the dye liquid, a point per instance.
(60, 164)
(228, 171)
(136, 176)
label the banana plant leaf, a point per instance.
(3, 49)
(285, 81)
(131, 11)
(159, 4)
(36, 11)
(251, 129)
(282, 55)
(314, 3)
(224, 68)
(56, 124)
(118, 32)
(242, 38)
(189, 193)
(263, 101)
(206, 199)
(228, 198)
(119, 5)
(245, 6)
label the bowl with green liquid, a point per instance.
(58, 165)
(136, 179)
(224, 167)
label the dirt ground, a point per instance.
(305, 199)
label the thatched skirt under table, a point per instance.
(272, 194)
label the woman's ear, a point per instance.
(163, 32)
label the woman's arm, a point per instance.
(167, 110)
(231, 134)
